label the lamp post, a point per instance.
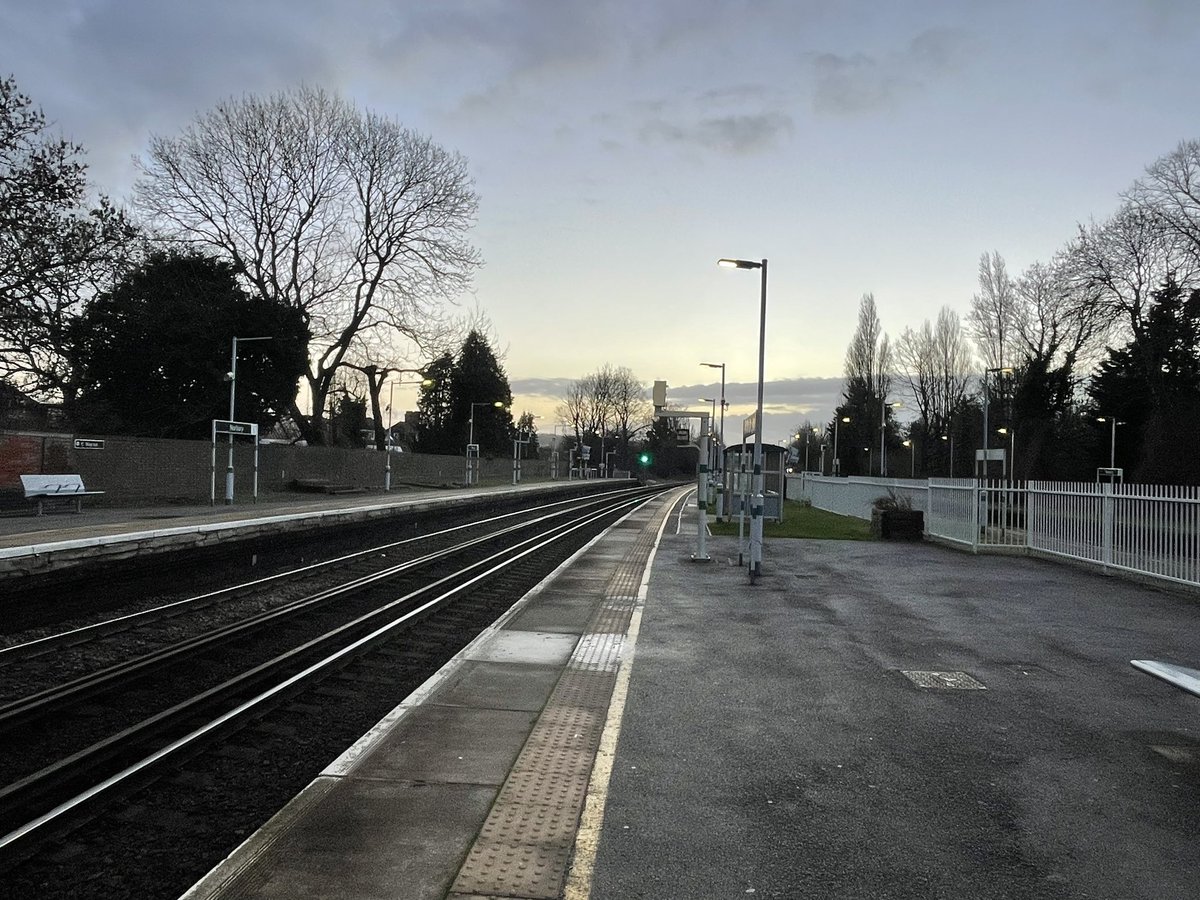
(951, 440)
(1112, 452)
(1012, 451)
(473, 471)
(756, 502)
(837, 463)
(232, 393)
(883, 408)
(1000, 370)
(807, 435)
(912, 447)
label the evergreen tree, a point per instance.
(434, 408)
(155, 350)
(1153, 385)
(479, 383)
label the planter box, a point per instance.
(898, 524)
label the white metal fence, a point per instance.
(1151, 530)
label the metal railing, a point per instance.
(1151, 530)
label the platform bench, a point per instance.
(55, 488)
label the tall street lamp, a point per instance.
(912, 471)
(232, 376)
(951, 440)
(473, 461)
(756, 502)
(837, 463)
(498, 404)
(1000, 370)
(1112, 452)
(1012, 451)
(808, 433)
(884, 406)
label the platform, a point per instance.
(38, 544)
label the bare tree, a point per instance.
(1170, 194)
(609, 399)
(869, 356)
(1058, 322)
(1119, 263)
(993, 311)
(935, 363)
(345, 215)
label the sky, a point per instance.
(620, 148)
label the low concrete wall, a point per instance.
(139, 471)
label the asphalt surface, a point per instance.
(772, 747)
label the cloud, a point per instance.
(735, 135)
(857, 83)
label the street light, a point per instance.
(1012, 451)
(756, 503)
(498, 404)
(232, 391)
(1112, 453)
(473, 470)
(912, 473)
(1000, 370)
(837, 463)
(951, 440)
(807, 435)
(884, 406)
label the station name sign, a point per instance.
(750, 425)
(221, 426)
(89, 444)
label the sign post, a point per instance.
(233, 429)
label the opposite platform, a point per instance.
(38, 544)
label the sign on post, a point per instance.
(750, 425)
(89, 444)
(222, 426)
(683, 435)
(233, 429)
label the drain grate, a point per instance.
(944, 680)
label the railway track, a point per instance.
(72, 749)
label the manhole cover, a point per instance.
(951, 680)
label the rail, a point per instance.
(68, 788)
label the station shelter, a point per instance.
(739, 465)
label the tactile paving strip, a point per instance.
(524, 847)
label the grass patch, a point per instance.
(800, 521)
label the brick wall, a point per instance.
(148, 470)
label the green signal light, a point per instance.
(644, 459)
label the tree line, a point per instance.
(337, 233)
(1107, 331)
